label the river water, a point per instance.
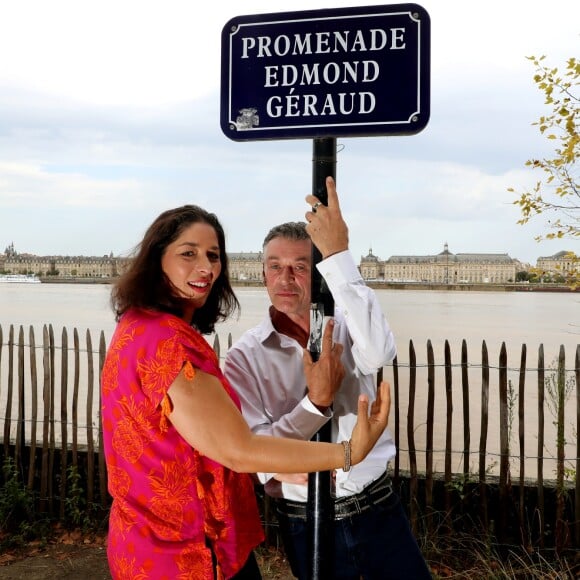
(516, 318)
(417, 316)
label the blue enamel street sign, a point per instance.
(326, 73)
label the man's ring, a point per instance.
(316, 206)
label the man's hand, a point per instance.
(326, 226)
(324, 376)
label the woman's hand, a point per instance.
(369, 428)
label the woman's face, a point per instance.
(192, 264)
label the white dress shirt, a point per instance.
(265, 368)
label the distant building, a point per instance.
(370, 267)
(563, 263)
(245, 266)
(442, 268)
(13, 262)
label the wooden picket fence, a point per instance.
(50, 402)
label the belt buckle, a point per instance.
(357, 505)
(350, 507)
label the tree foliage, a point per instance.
(557, 194)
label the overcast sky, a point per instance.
(109, 114)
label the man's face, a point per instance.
(287, 266)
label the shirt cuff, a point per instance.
(339, 269)
(312, 408)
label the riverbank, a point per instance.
(472, 287)
(377, 285)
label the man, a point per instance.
(372, 535)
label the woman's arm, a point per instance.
(208, 420)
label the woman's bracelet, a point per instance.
(346, 445)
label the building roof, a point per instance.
(557, 256)
(257, 256)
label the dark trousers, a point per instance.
(250, 571)
(375, 545)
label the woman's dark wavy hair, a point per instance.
(145, 285)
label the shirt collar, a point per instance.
(283, 324)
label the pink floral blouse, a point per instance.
(169, 502)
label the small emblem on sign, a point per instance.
(247, 119)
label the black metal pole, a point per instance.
(319, 507)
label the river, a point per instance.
(530, 318)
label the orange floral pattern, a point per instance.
(169, 501)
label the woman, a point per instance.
(177, 448)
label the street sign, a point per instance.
(326, 73)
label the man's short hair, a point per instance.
(289, 230)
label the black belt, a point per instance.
(344, 507)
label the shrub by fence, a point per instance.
(50, 401)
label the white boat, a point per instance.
(19, 279)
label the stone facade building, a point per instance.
(560, 264)
(13, 262)
(245, 266)
(442, 268)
